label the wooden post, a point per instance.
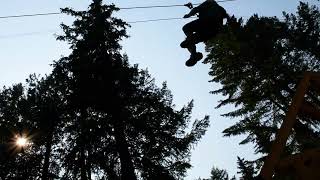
(285, 129)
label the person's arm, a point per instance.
(194, 10)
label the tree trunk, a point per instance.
(83, 163)
(111, 174)
(83, 169)
(127, 169)
(45, 171)
(89, 167)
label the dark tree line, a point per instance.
(95, 116)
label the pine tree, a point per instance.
(32, 111)
(46, 104)
(121, 125)
(218, 174)
(17, 163)
(99, 80)
(259, 64)
(246, 169)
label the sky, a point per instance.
(28, 45)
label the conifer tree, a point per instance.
(219, 174)
(259, 64)
(121, 124)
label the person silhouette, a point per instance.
(207, 26)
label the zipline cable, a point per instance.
(29, 15)
(130, 22)
(163, 6)
(154, 20)
(9, 36)
(124, 8)
(167, 6)
(42, 32)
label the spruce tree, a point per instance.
(121, 124)
(219, 174)
(259, 64)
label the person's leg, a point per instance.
(192, 49)
(191, 27)
(195, 56)
(192, 30)
(194, 36)
(193, 40)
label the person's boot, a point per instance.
(185, 43)
(188, 42)
(194, 58)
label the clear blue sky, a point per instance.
(27, 45)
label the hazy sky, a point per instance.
(28, 45)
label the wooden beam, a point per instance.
(285, 129)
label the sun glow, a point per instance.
(21, 141)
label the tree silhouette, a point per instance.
(46, 103)
(122, 125)
(119, 105)
(219, 174)
(15, 120)
(246, 169)
(259, 63)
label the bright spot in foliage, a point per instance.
(21, 141)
